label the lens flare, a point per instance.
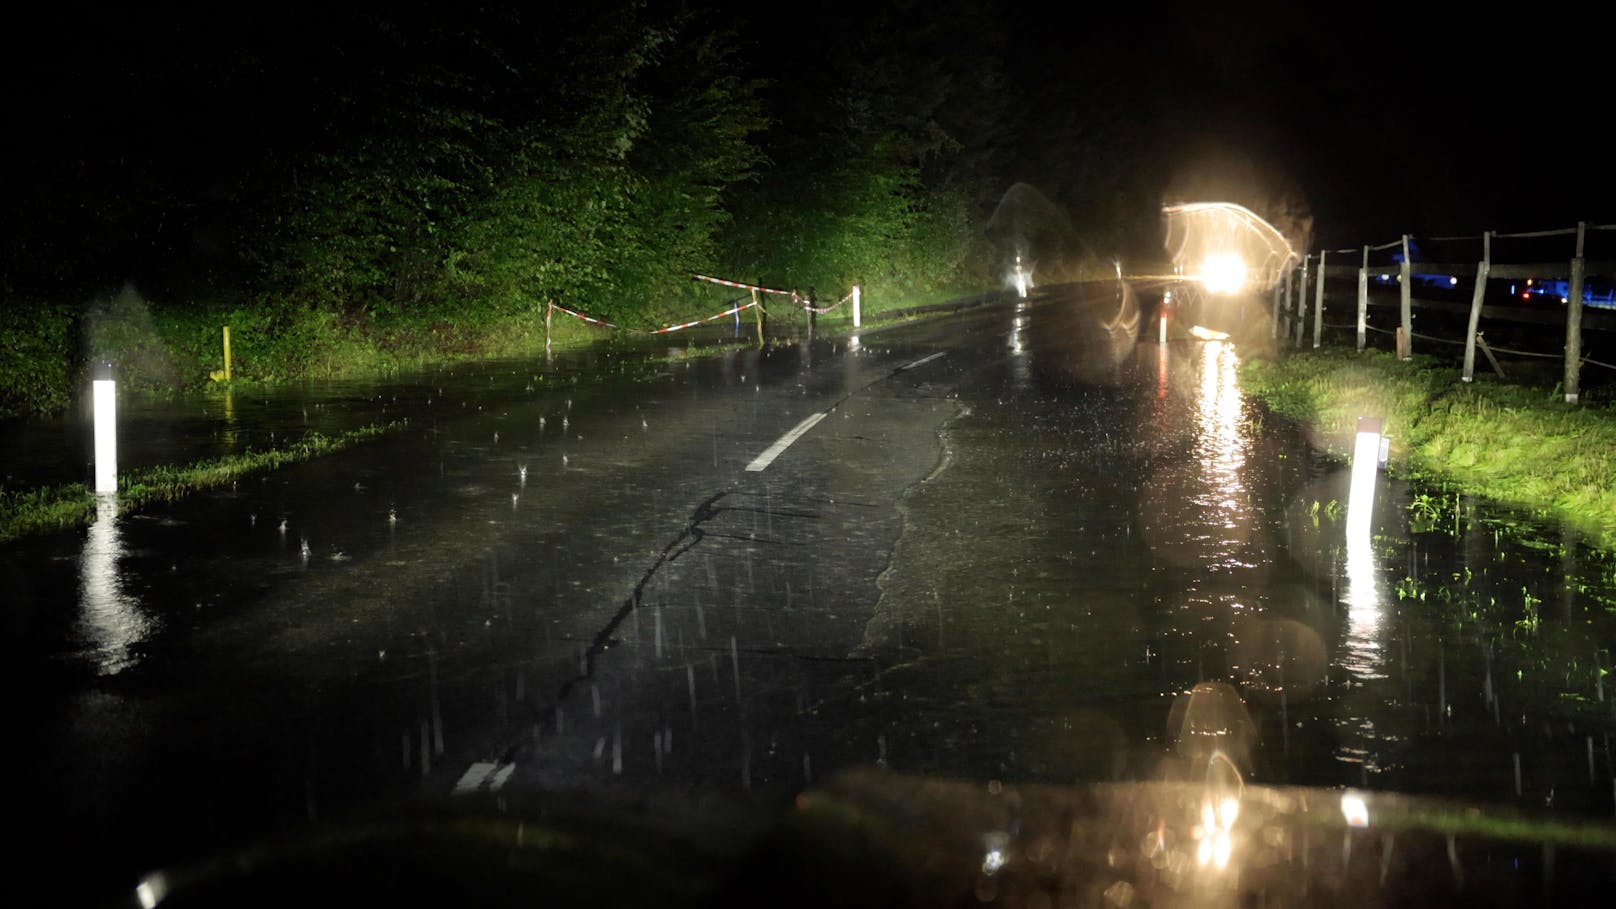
(1226, 245)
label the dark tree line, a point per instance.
(396, 167)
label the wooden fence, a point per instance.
(1318, 270)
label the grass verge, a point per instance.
(1518, 445)
(73, 505)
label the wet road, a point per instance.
(1013, 544)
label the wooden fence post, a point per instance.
(1482, 269)
(1290, 291)
(1273, 320)
(1573, 345)
(1301, 302)
(1318, 301)
(1405, 350)
(1363, 300)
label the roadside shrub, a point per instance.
(37, 357)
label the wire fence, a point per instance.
(1548, 271)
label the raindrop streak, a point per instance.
(594, 698)
(1442, 690)
(659, 633)
(560, 724)
(690, 683)
(1284, 724)
(701, 624)
(735, 666)
(1517, 758)
(746, 761)
(426, 748)
(617, 749)
(437, 709)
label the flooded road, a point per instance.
(1011, 544)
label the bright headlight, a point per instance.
(1223, 273)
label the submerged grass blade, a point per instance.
(29, 512)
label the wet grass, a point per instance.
(1514, 444)
(70, 505)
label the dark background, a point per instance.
(139, 133)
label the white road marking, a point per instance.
(500, 776)
(773, 451)
(473, 778)
(920, 361)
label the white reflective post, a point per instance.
(106, 436)
(857, 316)
(1365, 464)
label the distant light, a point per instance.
(992, 862)
(151, 891)
(1525, 295)
(1452, 281)
(1223, 273)
(1565, 299)
(1528, 282)
(1354, 809)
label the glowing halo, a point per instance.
(1226, 246)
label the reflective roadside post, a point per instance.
(105, 400)
(857, 317)
(1365, 464)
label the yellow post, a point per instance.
(227, 353)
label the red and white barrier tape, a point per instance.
(657, 331)
(758, 288)
(727, 312)
(579, 315)
(821, 310)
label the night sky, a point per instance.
(1374, 120)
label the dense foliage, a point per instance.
(354, 187)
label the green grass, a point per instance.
(1518, 445)
(73, 505)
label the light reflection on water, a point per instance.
(1361, 650)
(112, 621)
(1220, 450)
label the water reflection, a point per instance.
(1361, 649)
(1220, 449)
(1198, 511)
(112, 622)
